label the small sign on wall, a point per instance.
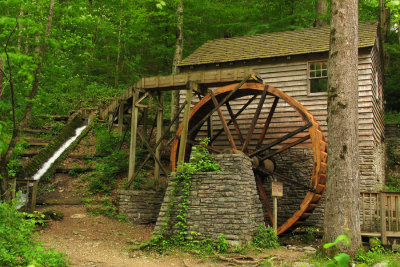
(277, 189)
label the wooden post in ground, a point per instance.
(121, 117)
(383, 219)
(34, 194)
(185, 123)
(275, 204)
(132, 149)
(158, 137)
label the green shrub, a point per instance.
(265, 237)
(17, 245)
(110, 163)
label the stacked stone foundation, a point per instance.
(224, 202)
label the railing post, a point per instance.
(383, 218)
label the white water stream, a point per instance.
(56, 154)
(45, 167)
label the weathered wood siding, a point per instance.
(291, 77)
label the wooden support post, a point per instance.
(132, 149)
(158, 137)
(34, 194)
(383, 219)
(275, 204)
(121, 117)
(185, 123)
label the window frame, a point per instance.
(309, 78)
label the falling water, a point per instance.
(56, 154)
(45, 167)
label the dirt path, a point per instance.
(100, 241)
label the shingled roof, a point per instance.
(275, 44)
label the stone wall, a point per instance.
(296, 164)
(140, 206)
(392, 144)
(224, 202)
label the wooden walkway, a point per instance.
(178, 82)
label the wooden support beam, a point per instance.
(150, 149)
(130, 181)
(185, 124)
(121, 117)
(132, 148)
(158, 138)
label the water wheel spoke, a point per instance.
(195, 143)
(223, 121)
(265, 199)
(267, 121)
(284, 177)
(280, 150)
(239, 133)
(280, 140)
(235, 116)
(255, 118)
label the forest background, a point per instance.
(94, 50)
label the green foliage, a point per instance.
(110, 163)
(305, 234)
(18, 246)
(376, 253)
(392, 116)
(265, 237)
(55, 215)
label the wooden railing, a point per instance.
(380, 214)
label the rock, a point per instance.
(75, 232)
(381, 264)
(302, 264)
(78, 216)
(309, 249)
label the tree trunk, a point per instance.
(1, 75)
(38, 71)
(177, 59)
(384, 20)
(119, 47)
(342, 190)
(21, 14)
(5, 159)
(321, 9)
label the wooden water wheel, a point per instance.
(264, 123)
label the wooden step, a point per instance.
(73, 169)
(36, 131)
(41, 144)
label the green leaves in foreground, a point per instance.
(18, 246)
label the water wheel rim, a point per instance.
(319, 146)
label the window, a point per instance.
(318, 76)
